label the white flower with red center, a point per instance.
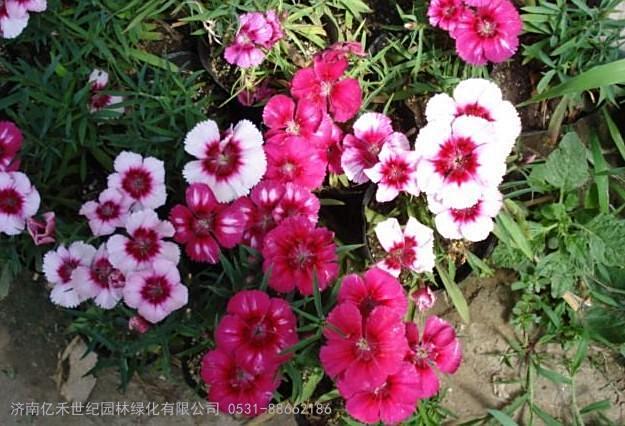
(459, 160)
(473, 223)
(140, 179)
(395, 172)
(156, 292)
(99, 280)
(58, 266)
(144, 243)
(108, 213)
(230, 164)
(98, 79)
(412, 248)
(360, 150)
(479, 98)
(19, 201)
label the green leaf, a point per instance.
(566, 167)
(153, 60)
(549, 421)
(553, 376)
(456, 296)
(510, 232)
(502, 418)
(607, 239)
(615, 132)
(602, 182)
(313, 377)
(596, 406)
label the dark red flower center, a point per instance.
(475, 110)
(402, 254)
(11, 201)
(144, 244)
(222, 162)
(203, 224)
(100, 101)
(66, 269)
(457, 160)
(156, 289)
(422, 353)
(486, 26)
(137, 182)
(449, 11)
(467, 215)
(105, 276)
(108, 211)
(395, 172)
(367, 305)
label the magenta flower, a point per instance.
(230, 164)
(58, 267)
(140, 179)
(99, 280)
(203, 225)
(10, 144)
(395, 172)
(390, 403)
(257, 328)
(42, 231)
(19, 201)
(108, 213)
(362, 352)
(375, 288)
(294, 250)
(491, 33)
(259, 208)
(233, 380)
(284, 119)
(424, 298)
(325, 85)
(446, 14)
(437, 347)
(295, 161)
(144, 243)
(256, 31)
(360, 150)
(156, 291)
(277, 33)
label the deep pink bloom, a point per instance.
(10, 143)
(325, 85)
(19, 201)
(156, 291)
(297, 201)
(58, 267)
(294, 250)
(259, 210)
(99, 280)
(257, 328)
(277, 33)
(491, 33)
(390, 403)
(203, 225)
(424, 298)
(284, 119)
(138, 324)
(445, 14)
(141, 179)
(395, 172)
(232, 380)
(256, 30)
(42, 231)
(360, 150)
(362, 352)
(295, 161)
(437, 347)
(375, 288)
(108, 213)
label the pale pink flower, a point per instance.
(144, 243)
(99, 280)
(19, 201)
(445, 14)
(58, 266)
(141, 179)
(12, 25)
(277, 33)
(395, 172)
(21, 7)
(42, 231)
(412, 248)
(98, 79)
(424, 298)
(230, 164)
(108, 213)
(138, 324)
(156, 292)
(256, 30)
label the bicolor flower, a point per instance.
(58, 266)
(19, 201)
(108, 213)
(424, 298)
(141, 179)
(10, 144)
(98, 79)
(395, 172)
(42, 231)
(99, 280)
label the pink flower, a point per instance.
(424, 298)
(138, 324)
(360, 150)
(348, 47)
(284, 119)
(108, 213)
(42, 231)
(491, 33)
(205, 225)
(156, 292)
(10, 143)
(327, 139)
(473, 223)
(459, 160)
(19, 201)
(58, 266)
(12, 25)
(273, 20)
(295, 250)
(295, 161)
(375, 288)
(391, 403)
(324, 84)
(257, 328)
(259, 208)
(438, 348)
(480, 98)
(98, 79)
(144, 243)
(412, 248)
(297, 201)
(21, 7)
(233, 380)
(445, 14)
(256, 30)
(396, 172)
(140, 179)
(230, 164)
(99, 280)
(362, 352)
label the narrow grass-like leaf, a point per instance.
(456, 296)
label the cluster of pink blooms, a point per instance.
(14, 15)
(251, 340)
(484, 30)
(382, 365)
(98, 80)
(138, 265)
(257, 32)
